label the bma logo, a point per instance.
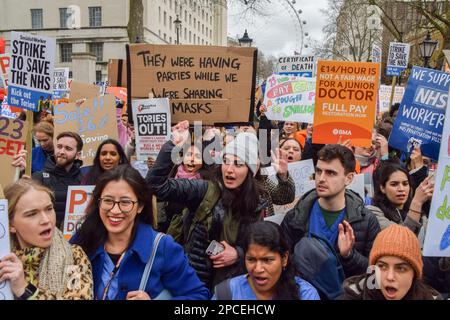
(342, 132)
(73, 17)
(143, 107)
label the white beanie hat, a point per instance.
(245, 146)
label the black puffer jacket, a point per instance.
(58, 180)
(190, 193)
(365, 227)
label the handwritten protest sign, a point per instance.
(5, 249)
(420, 118)
(80, 90)
(290, 98)
(117, 73)
(78, 198)
(12, 140)
(152, 126)
(60, 83)
(398, 58)
(207, 83)
(94, 120)
(5, 60)
(384, 96)
(437, 237)
(31, 70)
(301, 66)
(345, 102)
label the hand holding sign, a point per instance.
(11, 269)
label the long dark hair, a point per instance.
(96, 170)
(92, 232)
(380, 177)
(244, 200)
(269, 235)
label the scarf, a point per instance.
(183, 174)
(51, 264)
(365, 161)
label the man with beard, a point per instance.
(333, 220)
(62, 170)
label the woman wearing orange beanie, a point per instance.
(398, 268)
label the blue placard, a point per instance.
(297, 74)
(421, 115)
(394, 71)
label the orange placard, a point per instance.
(346, 98)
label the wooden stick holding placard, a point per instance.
(394, 82)
(29, 141)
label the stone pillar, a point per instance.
(83, 67)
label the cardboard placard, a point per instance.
(421, 115)
(78, 198)
(80, 90)
(207, 83)
(94, 120)
(30, 73)
(12, 140)
(437, 237)
(152, 126)
(290, 98)
(5, 61)
(117, 73)
(5, 288)
(346, 98)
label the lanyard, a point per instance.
(112, 275)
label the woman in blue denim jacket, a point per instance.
(118, 238)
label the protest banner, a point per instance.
(7, 111)
(30, 75)
(345, 102)
(78, 198)
(117, 73)
(398, 57)
(204, 83)
(290, 98)
(12, 140)
(384, 96)
(152, 126)
(80, 90)
(437, 237)
(94, 120)
(121, 95)
(300, 66)
(60, 83)
(376, 53)
(420, 118)
(5, 61)
(5, 248)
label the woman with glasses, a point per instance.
(119, 240)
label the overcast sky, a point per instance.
(278, 33)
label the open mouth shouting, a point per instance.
(46, 235)
(390, 292)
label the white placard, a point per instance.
(78, 198)
(152, 126)
(5, 249)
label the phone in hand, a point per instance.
(214, 248)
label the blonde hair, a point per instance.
(14, 191)
(44, 127)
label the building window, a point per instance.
(210, 33)
(159, 33)
(190, 37)
(165, 37)
(97, 49)
(65, 50)
(37, 22)
(185, 34)
(98, 75)
(185, 16)
(63, 17)
(198, 26)
(70, 74)
(165, 18)
(170, 22)
(190, 19)
(95, 16)
(170, 39)
(159, 14)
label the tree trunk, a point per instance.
(135, 27)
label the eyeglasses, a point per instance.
(125, 206)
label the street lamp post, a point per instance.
(177, 23)
(245, 41)
(426, 49)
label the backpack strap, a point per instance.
(148, 266)
(223, 290)
(209, 200)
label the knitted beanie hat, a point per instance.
(400, 242)
(245, 147)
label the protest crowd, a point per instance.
(262, 209)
